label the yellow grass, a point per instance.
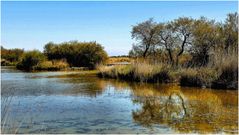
(113, 60)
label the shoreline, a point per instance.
(159, 78)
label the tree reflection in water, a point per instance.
(183, 109)
(186, 111)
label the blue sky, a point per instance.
(30, 25)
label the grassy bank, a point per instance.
(223, 77)
(54, 65)
(139, 72)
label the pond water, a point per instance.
(79, 102)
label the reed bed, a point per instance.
(222, 74)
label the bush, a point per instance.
(77, 54)
(12, 56)
(30, 60)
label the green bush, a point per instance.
(77, 54)
(30, 60)
(9, 57)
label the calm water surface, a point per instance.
(77, 102)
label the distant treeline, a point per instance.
(56, 56)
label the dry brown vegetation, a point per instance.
(194, 52)
(113, 60)
(219, 75)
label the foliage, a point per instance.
(146, 34)
(30, 60)
(78, 54)
(10, 56)
(197, 37)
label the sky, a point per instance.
(32, 24)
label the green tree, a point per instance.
(146, 35)
(206, 35)
(182, 27)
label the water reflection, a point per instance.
(188, 111)
(38, 84)
(64, 102)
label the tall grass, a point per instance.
(227, 67)
(53, 65)
(199, 77)
(220, 73)
(137, 71)
(118, 59)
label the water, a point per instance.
(78, 102)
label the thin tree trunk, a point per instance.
(145, 52)
(182, 50)
(170, 56)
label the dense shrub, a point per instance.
(77, 54)
(10, 57)
(30, 60)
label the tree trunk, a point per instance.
(170, 56)
(181, 51)
(146, 50)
